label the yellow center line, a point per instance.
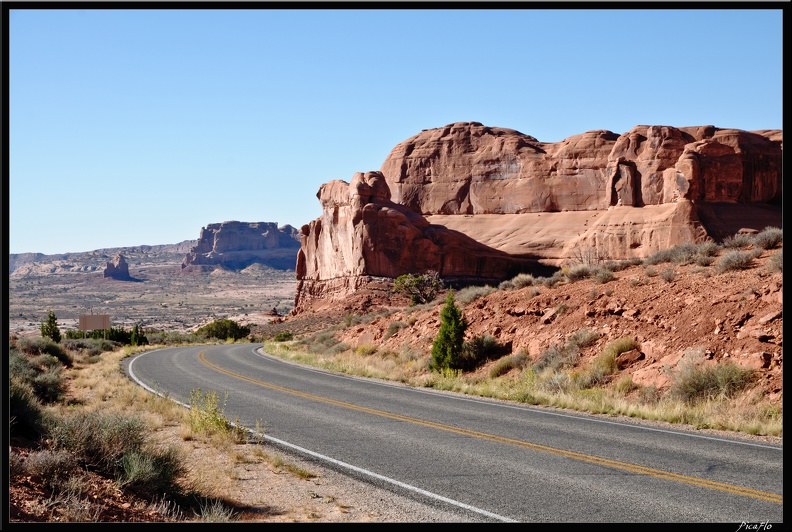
(606, 462)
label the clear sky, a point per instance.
(132, 127)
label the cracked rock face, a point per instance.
(484, 203)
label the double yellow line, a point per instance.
(607, 462)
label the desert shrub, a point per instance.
(556, 356)
(283, 336)
(659, 257)
(54, 467)
(419, 288)
(366, 350)
(707, 249)
(603, 275)
(98, 440)
(504, 365)
(43, 374)
(351, 319)
(583, 338)
(735, 260)
(578, 272)
(173, 338)
(650, 272)
(775, 263)
(605, 363)
(339, 347)
(41, 346)
(668, 275)
(471, 293)
(550, 282)
(223, 330)
(50, 385)
(26, 414)
(521, 280)
(152, 471)
(704, 260)
(625, 384)
(89, 346)
(738, 241)
(617, 265)
(768, 238)
(320, 342)
(478, 349)
(393, 328)
(692, 382)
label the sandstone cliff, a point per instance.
(237, 245)
(478, 202)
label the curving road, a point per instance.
(486, 460)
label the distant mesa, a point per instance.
(479, 203)
(237, 245)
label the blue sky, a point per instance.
(131, 127)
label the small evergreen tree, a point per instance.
(447, 348)
(137, 337)
(49, 328)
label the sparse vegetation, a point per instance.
(693, 381)
(224, 329)
(420, 289)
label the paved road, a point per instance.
(485, 459)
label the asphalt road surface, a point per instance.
(489, 460)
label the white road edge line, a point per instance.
(344, 465)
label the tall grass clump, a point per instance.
(693, 382)
(517, 360)
(207, 416)
(605, 364)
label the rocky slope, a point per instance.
(472, 201)
(676, 312)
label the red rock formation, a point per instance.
(118, 269)
(236, 245)
(472, 201)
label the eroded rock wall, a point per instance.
(634, 193)
(236, 245)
